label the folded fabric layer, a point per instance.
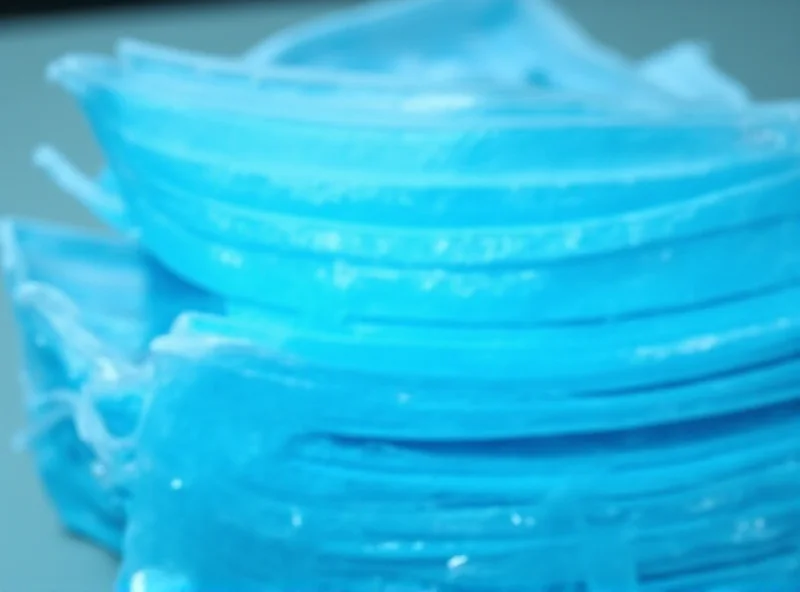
(646, 259)
(457, 135)
(652, 348)
(377, 397)
(87, 308)
(681, 503)
(727, 358)
(510, 203)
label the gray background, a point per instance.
(756, 40)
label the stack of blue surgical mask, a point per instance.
(427, 295)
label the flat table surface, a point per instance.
(755, 40)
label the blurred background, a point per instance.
(757, 41)
(10, 8)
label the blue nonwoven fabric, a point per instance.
(570, 247)
(283, 488)
(485, 41)
(309, 467)
(87, 307)
(695, 505)
(502, 309)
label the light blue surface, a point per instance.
(30, 121)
